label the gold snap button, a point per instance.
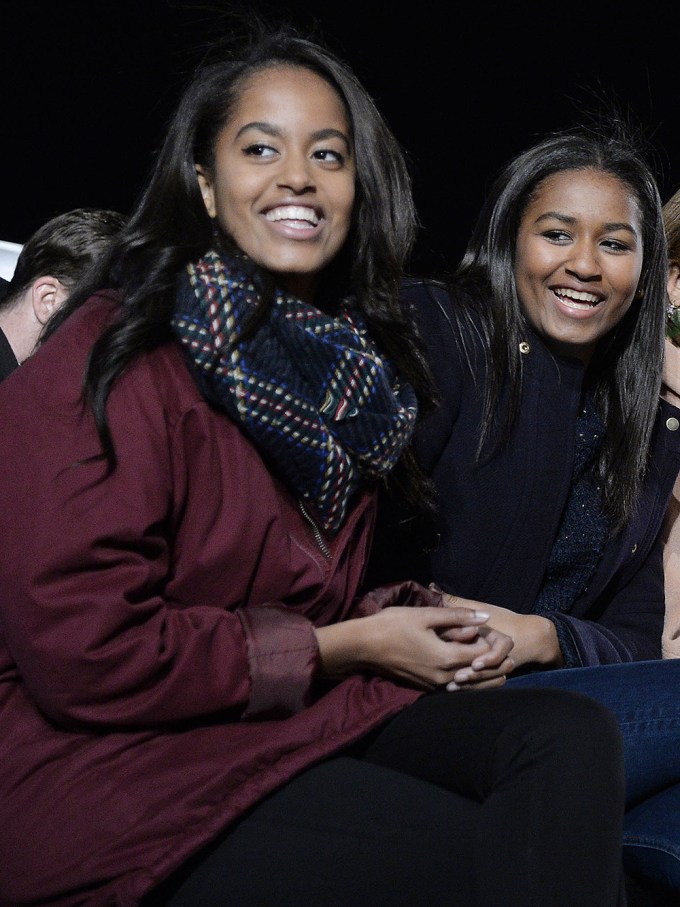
(672, 424)
(524, 347)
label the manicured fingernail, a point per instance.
(452, 687)
(482, 615)
(433, 587)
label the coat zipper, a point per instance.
(323, 547)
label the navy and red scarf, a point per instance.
(310, 390)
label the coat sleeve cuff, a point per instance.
(565, 638)
(405, 594)
(283, 656)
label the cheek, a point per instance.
(535, 261)
(531, 268)
(523, 265)
(343, 205)
(525, 275)
(232, 194)
(625, 279)
(637, 273)
(351, 195)
(344, 196)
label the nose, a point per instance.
(296, 174)
(584, 262)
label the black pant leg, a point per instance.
(512, 798)
(345, 833)
(548, 774)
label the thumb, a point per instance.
(457, 617)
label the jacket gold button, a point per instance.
(672, 424)
(524, 347)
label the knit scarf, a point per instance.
(320, 403)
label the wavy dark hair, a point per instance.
(625, 373)
(170, 227)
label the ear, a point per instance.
(674, 284)
(47, 294)
(207, 191)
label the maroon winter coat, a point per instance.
(157, 656)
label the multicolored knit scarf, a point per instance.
(311, 391)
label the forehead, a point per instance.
(586, 193)
(284, 92)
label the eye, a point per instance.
(616, 245)
(329, 156)
(556, 236)
(259, 149)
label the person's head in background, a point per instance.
(541, 207)
(53, 259)
(671, 218)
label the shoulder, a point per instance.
(452, 335)
(437, 304)
(428, 302)
(450, 322)
(52, 379)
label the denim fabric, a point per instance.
(651, 841)
(645, 697)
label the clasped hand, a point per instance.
(419, 637)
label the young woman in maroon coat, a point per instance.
(196, 707)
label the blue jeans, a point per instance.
(645, 697)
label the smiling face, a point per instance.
(283, 183)
(578, 258)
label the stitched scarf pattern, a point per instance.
(310, 390)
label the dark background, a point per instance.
(86, 90)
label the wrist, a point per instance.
(546, 643)
(340, 647)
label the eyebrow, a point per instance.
(317, 136)
(567, 219)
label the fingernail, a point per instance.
(482, 615)
(433, 587)
(452, 687)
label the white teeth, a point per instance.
(293, 212)
(577, 296)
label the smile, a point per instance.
(576, 299)
(295, 215)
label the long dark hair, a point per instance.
(170, 226)
(625, 373)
